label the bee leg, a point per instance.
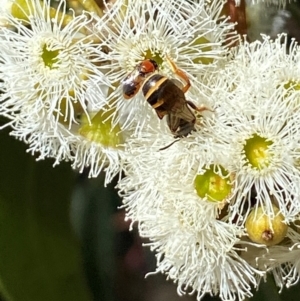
(198, 109)
(180, 73)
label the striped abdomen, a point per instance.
(152, 89)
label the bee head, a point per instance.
(146, 67)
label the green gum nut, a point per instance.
(264, 230)
(100, 130)
(257, 151)
(215, 186)
(21, 9)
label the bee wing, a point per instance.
(173, 122)
(178, 126)
(175, 103)
(184, 112)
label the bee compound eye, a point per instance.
(154, 65)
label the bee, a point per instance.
(164, 95)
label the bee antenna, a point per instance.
(165, 147)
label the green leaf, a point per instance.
(39, 256)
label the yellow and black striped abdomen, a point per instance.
(152, 87)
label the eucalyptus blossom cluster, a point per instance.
(219, 206)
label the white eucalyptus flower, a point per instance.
(192, 35)
(54, 94)
(259, 123)
(194, 245)
(48, 64)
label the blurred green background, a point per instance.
(62, 237)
